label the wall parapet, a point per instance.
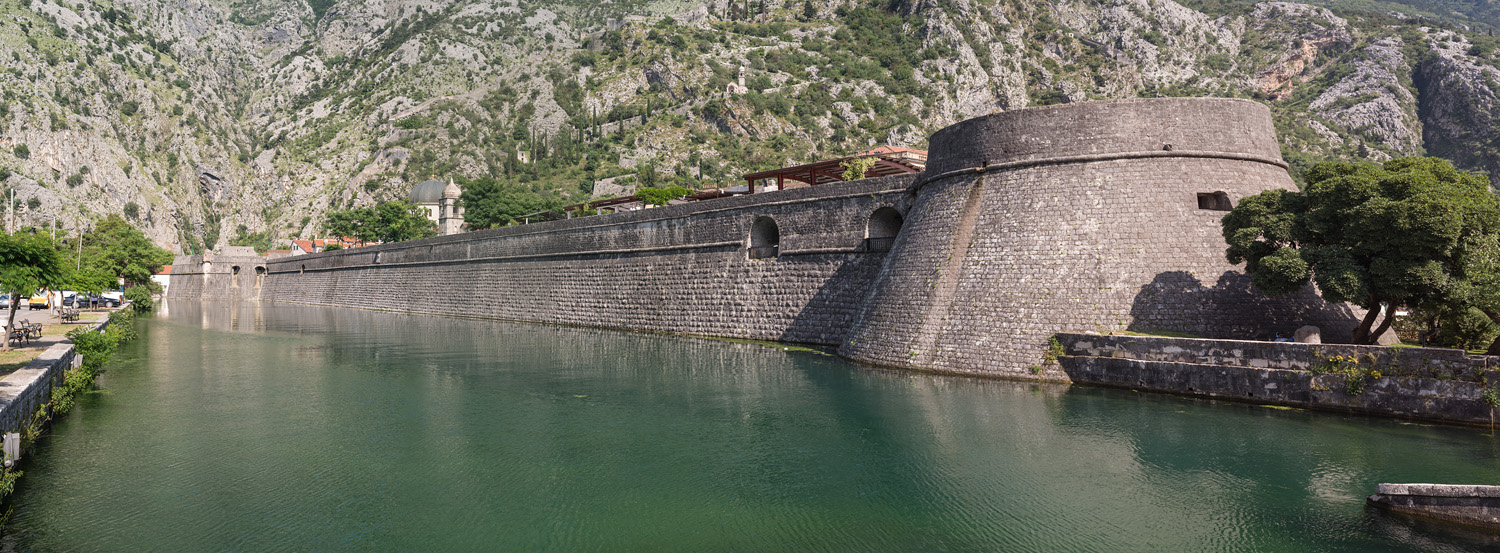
(556, 238)
(1421, 383)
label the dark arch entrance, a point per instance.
(765, 239)
(882, 228)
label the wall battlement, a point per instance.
(1084, 217)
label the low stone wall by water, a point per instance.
(1469, 505)
(30, 387)
(1423, 383)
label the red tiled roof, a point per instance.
(165, 270)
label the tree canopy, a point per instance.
(117, 250)
(660, 196)
(489, 203)
(28, 264)
(393, 221)
(1415, 232)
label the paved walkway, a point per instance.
(53, 329)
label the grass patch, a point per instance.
(17, 358)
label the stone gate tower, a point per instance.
(1086, 217)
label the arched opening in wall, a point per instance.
(260, 275)
(1214, 201)
(234, 279)
(765, 239)
(377, 257)
(302, 270)
(881, 229)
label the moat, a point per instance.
(262, 426)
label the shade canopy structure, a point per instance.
(889, 160)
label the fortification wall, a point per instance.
(1081, 217)
(234, 273)
(682, 268)
(1095, 217)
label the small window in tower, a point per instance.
(1214, 201)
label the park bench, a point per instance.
(69, 315)
(25, 332)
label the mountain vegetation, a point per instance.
(207, 122)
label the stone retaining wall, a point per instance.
(30, 387)
(1432, 384)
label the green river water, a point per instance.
(267, 427)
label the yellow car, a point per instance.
(39, 301)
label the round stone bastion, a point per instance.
(1098, 216)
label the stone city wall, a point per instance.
(1080, 217)
(1423, 383)
(1099, 216)
(236, 272)
(683, 268)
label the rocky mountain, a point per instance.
(210, 121)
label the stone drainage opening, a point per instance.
(881, 229)
(765, 239)
(234, 279)
(1214, 201)
(260, 276)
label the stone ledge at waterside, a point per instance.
(1420, 383)
(30, 387)
(1469, 505)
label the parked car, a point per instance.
(85, 301)
(39, 301)
(110, 299)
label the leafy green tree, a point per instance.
(91, 280)
(28, 264)
(1415, 233)
(140, 298)
(118, 249)
(392, 221)
(354, 223)
(398, 221)
(855, 168)
(660, 196)
(489, 203)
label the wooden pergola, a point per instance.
(889, 161)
